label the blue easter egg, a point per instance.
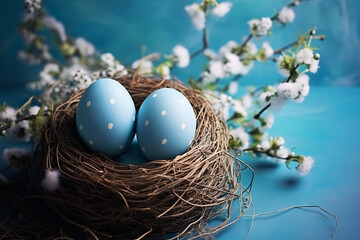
(105, 117)
(132, 155)
(166, 124)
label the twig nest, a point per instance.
(107, 199)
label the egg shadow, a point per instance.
(265, 166)
(290, 182)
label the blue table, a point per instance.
(325, 126)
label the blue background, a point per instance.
(325, 126)
(123, 27)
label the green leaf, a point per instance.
(3, 107)
(193, 83)
(288, 161)
(67, 49)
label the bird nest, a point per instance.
(99, 198)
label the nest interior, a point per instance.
(100, 198)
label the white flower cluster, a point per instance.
(20, 131)
(305, 166)
(56, 26)
(113, 69)
(85, 48)
(269, 51)
(143, 66)
(10, 155)
(226, 63)
(243, 137)
(51, 181)
(32, 5)
(296, 91)
(306, 56)
(286, 15)
(181, 56)
(260, 27)
(197, 13)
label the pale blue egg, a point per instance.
(105, 117)
(166, 124)
(132, 155)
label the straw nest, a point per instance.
(100, 198)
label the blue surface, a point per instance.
(325, 126)
(124, 27)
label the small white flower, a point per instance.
(33, 110)
(264, 98)
(207, 78)
(282, 152)
(210, 54)
(238, 107)
(251, 47)
(247, 100)
(314, 65)
(164, 71)
(108, 59)
(260, 27)
(51, 181)
(182, 56)
(144, 66)
(51, 67)
(85, 48)
(269, 51)
(288, 90)
(269, 121)
(233, 87)
(221, 9)
(265, 145)
(305, 55)
(20, 131)
(305, 167)
(57, 26)
(197, 15)
(243, 136)
(234, 65)
(216, 69)
(227, 48)
(8, 114)
(220, 103)
(15, 152)
(303, 84)
(286, 15)
(280, 141)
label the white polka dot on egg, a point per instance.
(121, 147)
(182, 101)
(154, 95)
(91, 142)
(110, 126)
(88, 103)
(112, 100)
(147, 123)
(81, 127)
(183, 126)
(164, 141)
(163, 113)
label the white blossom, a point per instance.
(164, 71)
(303, 87)
(283, 71)
(233, 65)
(264, 98)
(288, 90)
(279, 141)
(227, 48)
(33, 110)
(68, 73)
(247, 100)
(182, 56)
(143, 66)
(243, 136)
(15, 152)
(108, 59)
(251, 47)
(85, 48)
(197, 15)
(305, 167)
(265, 145)
(305, 55)
(20, 131)
(56, 26)
(269, 121)
(233, 87)
(238, 107)
(216, 68)
(31, 5)
(51, 181)
(221, 9)
(282, 152)
(314, 65)
(8, 114)
(207, 78)
(269, 51)
(286, 15)
(82, 79)
(210, 54)
(260, 27)
(220, 103)
(117, 70)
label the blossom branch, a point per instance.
(205, 45)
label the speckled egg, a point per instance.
(105, 117)
(166, 124)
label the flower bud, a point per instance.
(317, 56)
